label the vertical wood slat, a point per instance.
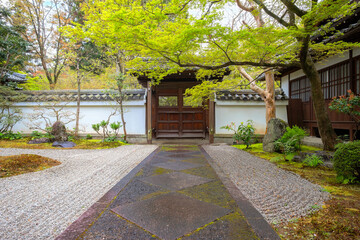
(148, 111)
(211, 121)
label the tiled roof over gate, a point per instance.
(247, 95)
(86, 95)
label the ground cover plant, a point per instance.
(339, 218)
(80, 144)
(24, 163)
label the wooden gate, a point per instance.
(176, 120)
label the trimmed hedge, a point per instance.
(347, 162)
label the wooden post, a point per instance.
(211, 121)
(148, 113)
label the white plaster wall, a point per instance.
(91, 113)
(236, 111)
(285, 85)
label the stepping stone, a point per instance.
(176, 180)
(172, 215)
(178, 166)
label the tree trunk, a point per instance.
(120, 85)
(270, 96)
(122, 114)
(78, 80)
(267, 95)
(327, 134)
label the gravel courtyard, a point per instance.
(277, 194)
(41, 205)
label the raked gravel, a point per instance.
(42, 204)
(276, 193)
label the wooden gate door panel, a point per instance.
(173, 120)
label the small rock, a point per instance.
(297, 159)
(64, 144)
(39, 140)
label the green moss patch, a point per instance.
(212, 192)
(197, 160)
(159, 171)
(154, 194)
(24, 163)
(205, 171)
(80, 144)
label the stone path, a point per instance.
(174, 193)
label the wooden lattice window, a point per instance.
(335, 81)
(300, 89)
(338, 82)
(357, 75)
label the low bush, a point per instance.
(11, 136)
(347, 162)
(107, 135)
(37, 134)
(290, 141)
(244, 132)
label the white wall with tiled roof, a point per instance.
(90, 113)
(241, 111)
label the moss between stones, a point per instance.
(213, 192)
(205, 171)
(159, 171)
(178, 147)
(237, 226)
(140, 173)
(154, 194)
(198, 160)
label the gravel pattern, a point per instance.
(279, 195)
(43, 204)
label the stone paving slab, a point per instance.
(176, 180)
(196, 205)
(172, 215)
(177, 165)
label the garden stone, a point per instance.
(59, 132)
(39, 140)
(326, 157)
(64, 144)
(275, 129)
(297, 159)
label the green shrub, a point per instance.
(10, 135)
(88, 136)
(37, 134)
(347, 162)
(103, 130)
(313, 160)
(244, 132)
(290, 141)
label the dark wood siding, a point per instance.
(336, 80)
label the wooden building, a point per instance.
(338, 74)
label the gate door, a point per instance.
(174, 120)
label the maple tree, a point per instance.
(43, 20)
(181, 34)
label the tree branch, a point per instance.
(293, 8)
(271, 14)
